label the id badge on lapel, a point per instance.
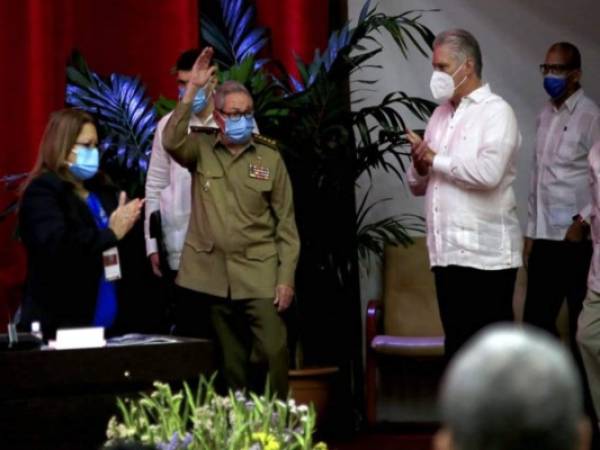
(112, 265)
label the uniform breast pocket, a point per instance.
(207, 180)
(255, 195)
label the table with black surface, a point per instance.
(63, 399)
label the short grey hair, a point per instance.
(463, 44)
(512, 388)
(229, 87)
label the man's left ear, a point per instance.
(470, 66)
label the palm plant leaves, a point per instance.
(374, 150)
(395, 230)
(126, 121)
(373, 134)
(237, 43)
(345, 46)
(234, 37)
(405, 29)
(378, 128)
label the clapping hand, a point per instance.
(422, 155)
(577, 232)
(124, 217)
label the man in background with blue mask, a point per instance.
(557, 249)
(465, 168)
(168, 190)
(242, 245)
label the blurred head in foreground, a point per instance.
(512, 388)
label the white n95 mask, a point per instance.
(442, 84)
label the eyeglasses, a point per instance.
(236, 116)
(555, 69)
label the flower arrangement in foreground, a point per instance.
(205, 420)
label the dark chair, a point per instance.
(406, 325)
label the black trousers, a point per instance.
(470, 299)
(556, 270)
(187, 312)
(191, 314)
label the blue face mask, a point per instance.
(86, 162)
(200, 99)
(239, 131)
(555, 85)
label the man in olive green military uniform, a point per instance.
(242, 244)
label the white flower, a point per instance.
(303, 409)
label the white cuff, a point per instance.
(586, 212)
(442, 164)
(151, 246)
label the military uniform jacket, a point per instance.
(242, 238)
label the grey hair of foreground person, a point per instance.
(464, 45)
(226, 88)
(512, 388)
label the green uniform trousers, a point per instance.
(252, 335)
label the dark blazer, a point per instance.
(64, 251)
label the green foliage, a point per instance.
(372, 237)
(201, 419)
(164, 106)
(332, 143)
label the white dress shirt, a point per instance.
(168, 188)
(469, 200)
(594, 179)
(560, 181)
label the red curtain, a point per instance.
(135, 37)
(297, 27)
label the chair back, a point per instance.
(409, 298)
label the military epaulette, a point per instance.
(205, 130)
(260, 139)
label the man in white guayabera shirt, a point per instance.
(557, 249)
(588, 330)
(465, 167)
(168, 189)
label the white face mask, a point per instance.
(442, 84)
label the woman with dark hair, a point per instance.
(72, 222)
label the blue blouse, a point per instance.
(106, 304)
